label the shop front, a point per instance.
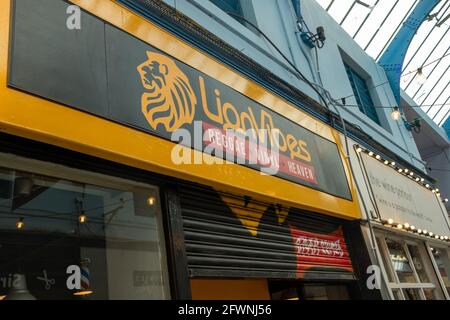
(411, 229)
(120, 180)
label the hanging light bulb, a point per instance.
(20, 224)
(395, 114)
(420, 77)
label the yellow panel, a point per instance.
(208, 289)
(42, 120)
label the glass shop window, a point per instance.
(442, 259)
(400, 261)
(62, 238)
(409, 269)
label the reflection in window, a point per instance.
(106, 237)
(418, 263)
(385, 261)
(443, 263)
(400, 261)
(411, 294)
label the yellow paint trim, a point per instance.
(42, 120)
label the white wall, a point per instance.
(276, 18)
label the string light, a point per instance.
(406, 171)
(390, 221)
(399, 226)
(420, 77)
(396, 115)
(406, 225)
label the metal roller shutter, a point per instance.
(235, 236)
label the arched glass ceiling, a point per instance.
(374, 23)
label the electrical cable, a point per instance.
(302, 76)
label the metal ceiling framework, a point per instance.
(379, 25)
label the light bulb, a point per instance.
(399, 226)
(378, 157)
(393, 163)
(431, 233)
(424, 231)
(438, 194)
(386, 162)
(406, 170)
(151, 201)
(406, 225)
(422, 179)
(445, 238)
(400, 170)
(371, 153)
(427, 186)
(395, 114)
(359, 149)
(411, 173)
(417, 179)
(412, 228)
(20, 224)
(446, 200)
(442, 237)
(419, 230)
(420, 77)
(82, 218)
(390, 221)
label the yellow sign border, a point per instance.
(35, 118)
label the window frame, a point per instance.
(424, 251)
(351, 73)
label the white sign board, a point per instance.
(404, 200)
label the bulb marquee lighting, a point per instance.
(405, 171)
(410, 228)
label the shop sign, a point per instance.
(400, 198)
(316, 250)
(121, 78)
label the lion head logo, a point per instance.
(169, 99)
